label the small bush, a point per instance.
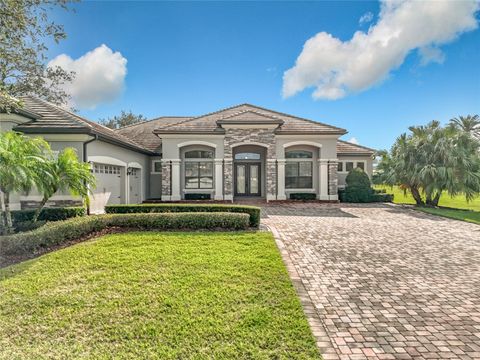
(48, 214)
(303, 196)
(28, 225)
(252, 211)
(198, 196)
(59, 232)
(359, 189)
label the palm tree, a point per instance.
(65, 173)
(469, 124)
(20, 157)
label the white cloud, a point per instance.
(99, 77)
(353, 140)
(366, 18)
(336, 67)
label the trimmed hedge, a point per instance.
(253, 211)
(59, 232)
(48, 214)
(303, 196)
(359, 189)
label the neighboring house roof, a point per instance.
(142, 133)
(50, 118)
(346, 148)
(287, 124)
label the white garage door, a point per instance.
(135, 188)
(109, 187)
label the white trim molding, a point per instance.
(302, 142)
(197, 142)
(106, 160)
(249, 143)
(153, 167)
(135, 165)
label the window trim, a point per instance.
(153, 167)
(198, 177)
(355, 162)
(297, 161)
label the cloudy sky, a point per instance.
(374, 68)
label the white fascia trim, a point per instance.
(197, 142)
(302, 142)
(135, 165)
(63, 137)
(106, 160)
(301, 190)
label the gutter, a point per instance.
(85, 156)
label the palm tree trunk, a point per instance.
(416, 195)
(7, 213)
(436, 199)
(39, 209)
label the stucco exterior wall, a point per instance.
(104, 149)
(368, 166)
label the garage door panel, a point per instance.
(109, 187)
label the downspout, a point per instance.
(85, 158)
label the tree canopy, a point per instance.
(124, 119)
(25, 28)
(432, 160)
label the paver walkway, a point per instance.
(386, 282)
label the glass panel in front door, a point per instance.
(253, 179)
(241, 179)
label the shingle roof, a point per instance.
(347, 148)
(55, 119)
(142, 133)
(246, 112)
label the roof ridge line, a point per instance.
(150, 120)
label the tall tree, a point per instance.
(469, 124)
(20, 161)
(64, 173)
(433, 160)
(25, 27)
(124, 119)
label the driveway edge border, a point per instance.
(322, 340)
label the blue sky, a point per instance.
(189, 58)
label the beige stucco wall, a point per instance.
(368, 168)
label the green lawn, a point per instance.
(458, 207)
(457, 202)
(156, 296)
(464, 215)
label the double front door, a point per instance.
(247, 179)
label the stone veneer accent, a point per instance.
(228, 177)
(166, 176)
(332, 178)
(263, 136)
(33, 204)
(271, 178)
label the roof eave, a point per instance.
(199, 132)
(293, 132)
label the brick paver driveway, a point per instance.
(385, 282)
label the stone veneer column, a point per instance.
(323, 179)
(281, 180)
(176, 181)
(218, 179)
(271, 179)
(228, 178)
(332, 180)
(166, 181)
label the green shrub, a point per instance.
(55, 233)
(48, 214)
(359, 190)
(382, 197)
(198, 196)
(303, 196)
(252, 211)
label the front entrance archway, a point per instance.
(249, 171)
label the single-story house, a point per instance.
(241, 151)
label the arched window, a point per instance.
(299, 169)
(247, 156)
(199, 169)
